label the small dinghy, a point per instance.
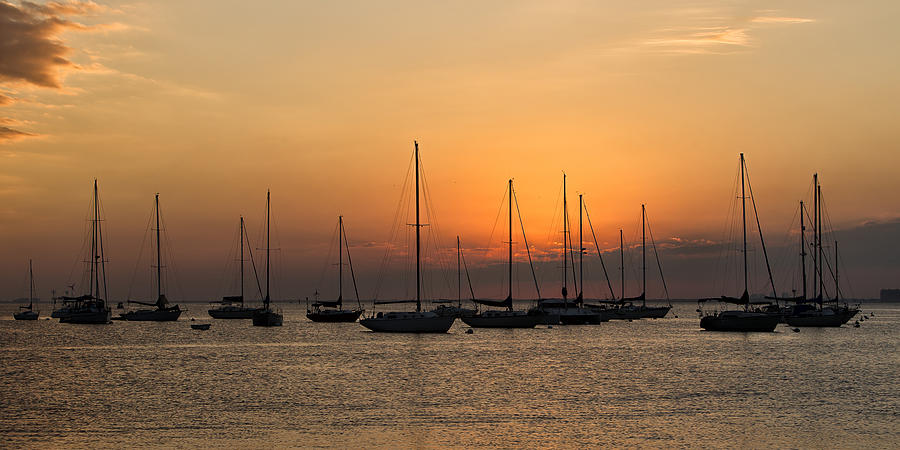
(200, 326)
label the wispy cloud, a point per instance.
(715, 33)
(8, 134)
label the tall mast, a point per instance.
(821, 260)
(268, 196)
(158, 253)
(340, 259)
(803, 248)
(643, 255)
(580, 248)
(622, 261)
(458, 274)
(95, 274)
(744, 228)
(509, 291)
(418, 225)
(242, 261)
(837, 290)
(815, 235)
(31, 286)
(565, 256)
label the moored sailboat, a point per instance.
(569, 312)
(407, 321)
(333, 311)
(28, 312)
(267, 316)
(163, 311)
(744, 319)
(507, 317)
(90, 308)
(233, 307)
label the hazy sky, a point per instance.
(210, 103)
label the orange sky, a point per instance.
(211, 103)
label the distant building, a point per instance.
(890, 294)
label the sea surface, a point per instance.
(649, 383)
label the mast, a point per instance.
(815, 242)
(509, 291)
(158, 253)
(458, 274)
(821, 261)
(643, 255)
(744, 228)
(622, 260)
(268, 196)
(837, 291)
(803, 248)
(580, 248)
(565, 291)
(418, 238)
(95, 273)
(340, 260)
(242, 261)
(31, 286)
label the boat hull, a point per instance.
(656, 312)
(101, 317)
(150, 315)
(410, 323)
(740, 322)
(237, 313)
(518, 319)
(334, 316)
(26, 315)
(267, 318)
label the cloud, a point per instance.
(33, 52)
(8, 134)
(716, 33)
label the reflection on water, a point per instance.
(645, 383)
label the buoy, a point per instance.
(470, 331)
(796, 330)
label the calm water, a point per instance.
(661, 383)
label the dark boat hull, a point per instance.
(746, 322)
(242, 313)
(334, 317)
(656, 312)
(503, 321)
(26, 315)
(150, 315)
(409, 324)
(267, 318)
(101, 317)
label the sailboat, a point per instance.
(627, 309)
(406, 321)
(740, 319)
(28, 312)
(162, 312)
(446, 307)
(90, 308)
(812, 312)
(508, 317)
(232, 307)
(576, 314)
(332, 311)
(267, 316)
